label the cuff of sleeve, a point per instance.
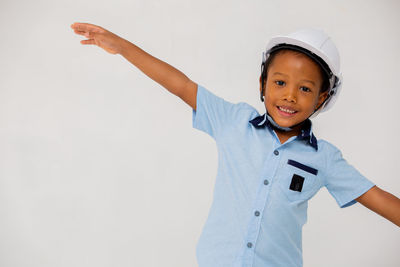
(194, 121)
(352, 200)
(196, 113)
(201, 116)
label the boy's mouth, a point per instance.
(286, 111)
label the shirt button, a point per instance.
(257, 213)
(276, 152)
(266, 182)
(249, 245)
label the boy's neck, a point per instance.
(285, 135)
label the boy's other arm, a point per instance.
(383, 203)
(169, 77)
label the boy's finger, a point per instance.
(79, 32)
(86, 42)
(86, 27)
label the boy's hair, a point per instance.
(269, 61)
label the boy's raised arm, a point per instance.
(169, 77)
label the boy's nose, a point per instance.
(290, 94)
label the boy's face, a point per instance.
(292, 90)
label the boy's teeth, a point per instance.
(287, 110)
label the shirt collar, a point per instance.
(306, 132)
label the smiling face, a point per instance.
(292, 90)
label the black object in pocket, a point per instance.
(302, 167)
(297, 183)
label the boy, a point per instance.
(269, 165)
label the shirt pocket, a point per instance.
(298, 181)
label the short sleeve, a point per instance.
(212, 112)
(343, 181)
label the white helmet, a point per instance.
(319, 46)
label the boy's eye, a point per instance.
(305, 89)
(280, 83)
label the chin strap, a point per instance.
(277, 126)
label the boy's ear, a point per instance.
(321, 99)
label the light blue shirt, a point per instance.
(262, 187)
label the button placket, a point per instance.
(259, 205)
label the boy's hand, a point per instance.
(169, 77)
(98, 36)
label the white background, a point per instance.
(100, 166)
